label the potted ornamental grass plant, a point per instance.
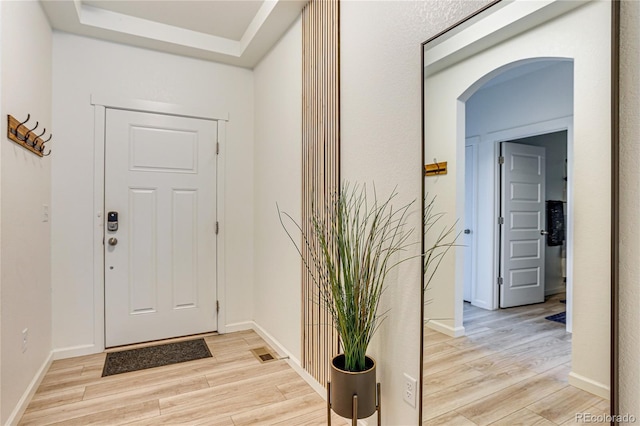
(355, 241)
(437, 241)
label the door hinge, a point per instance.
(500, 281)
(217, 148)
(217, 306)
(217, 227)
(501, 220)
(501, 160)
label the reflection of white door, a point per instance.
(522, 210)
(160, 176)
(469, 219)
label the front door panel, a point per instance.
(160, 264)
(523, 216)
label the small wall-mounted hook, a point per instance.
(37, 141)
(42, 146)
(43, 142)
(26, 136)
(15, 131)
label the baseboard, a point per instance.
(589, 385)
(554, 290)
(291, 360)
(91, 349)
(239, 326)
(445, 329)
(482, 304)
(297, 367)
(20, 408)
(73, 351)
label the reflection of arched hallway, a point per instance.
(531, 103)
(450, 76)
(512, 365)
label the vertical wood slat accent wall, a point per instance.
(320, 164)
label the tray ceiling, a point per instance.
(236, 32)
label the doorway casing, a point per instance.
(536, 129)
(101, 103)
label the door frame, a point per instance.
(101, 103)
(472, 281)
(544, 127)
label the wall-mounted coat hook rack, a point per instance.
(18, 132)
(435, 169)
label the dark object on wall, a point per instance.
(555, 223)
(19, 133)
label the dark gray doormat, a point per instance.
(561, 317)
(154, 356)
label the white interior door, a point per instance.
(160, 265)
(522, 239)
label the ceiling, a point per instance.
(235, 32)
(518, 70)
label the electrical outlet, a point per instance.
(45, 213)
(409, 390)
(25, 338)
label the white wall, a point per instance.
(591, 316)
(25, 278)
(380, 107)
(278, 179)
(535, 98)
(381, 143)
(629, 298)
(84, 66)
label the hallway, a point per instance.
(510, 368)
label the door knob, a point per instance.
(113, 241)
(543, 232)
(467, 231)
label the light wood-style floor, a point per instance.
(510, 369)
(231, 389)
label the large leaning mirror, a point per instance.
(518, 102)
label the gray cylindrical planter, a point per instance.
(345, 384)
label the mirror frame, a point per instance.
(615, 196)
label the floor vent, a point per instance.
(263, 354)
(266, 357)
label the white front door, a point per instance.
(160, 264)
(522, 239)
